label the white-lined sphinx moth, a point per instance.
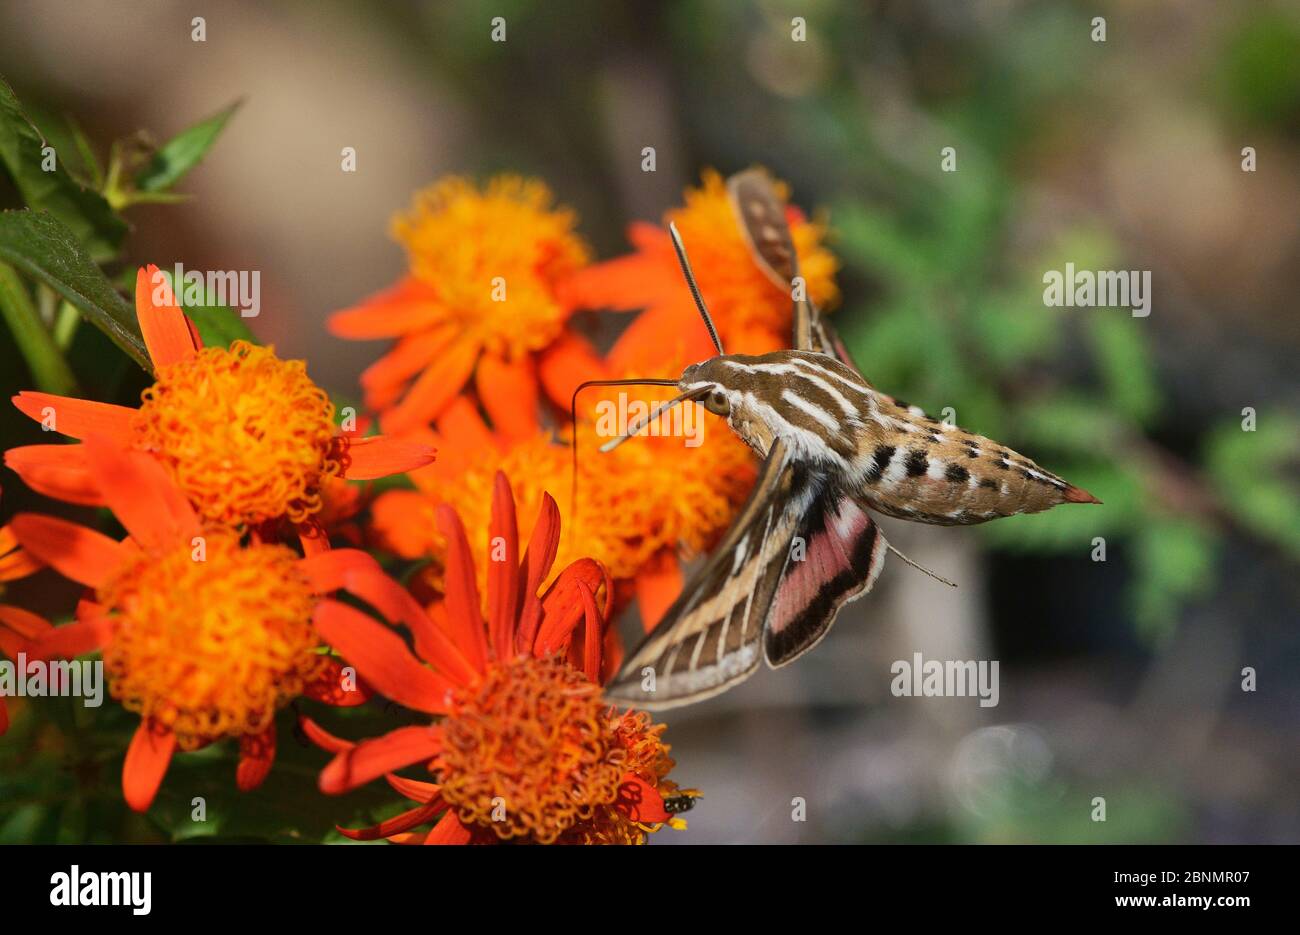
(804, 543)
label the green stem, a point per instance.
(65, 325)
(44, 359)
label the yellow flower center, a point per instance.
(248, 437)
(211, 639)
(494, 258)
(532, 753)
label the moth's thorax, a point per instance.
(816, 403)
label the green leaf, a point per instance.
(287, 808)
(44, 359)
(85, 213)
(43, 248)
(87, 153)
(1122, 358)
(1249, 469)
(1067, 421)
(1175, 564)
(1013, 328)
(183, 152)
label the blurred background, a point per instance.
(1119, 679)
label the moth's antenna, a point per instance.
(573, 420)
(920, 567)
(655, 413)
(695, 289)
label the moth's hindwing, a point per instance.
(835, 558)
(709, 639)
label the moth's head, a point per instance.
(725, 393)
(711, 378)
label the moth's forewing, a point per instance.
(709, 639)
(760, 212)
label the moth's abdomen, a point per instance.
(929, 472)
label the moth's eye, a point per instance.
(716, 403)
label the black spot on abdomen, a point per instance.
(880, 459)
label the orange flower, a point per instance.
(203, 636)
(753, 314)
(636, 504)
(481, 300)
(247, 437)
(16, 625)
(526, 750)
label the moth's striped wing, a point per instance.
(835, 559)
(709, 639)
(761, 215)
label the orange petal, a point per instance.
(660, 333)
(383, 380)
(593, 631)
(612, 655)
(568, 361)
(508, 391)
(77, 418)
(26, 624)
(434, 388)
(379, 456)
(538, 559)
(332, 688)
(381, 657)
(321, 737)
(141, 495)
(562, 607)
(503, 569)
(79, 553)
(640, 801)
(163, 325)
(73, 639)
(146, 763)
(313, 538)
(464, 616)
(461, 421)
(328, 570)
(413, 789)
(448, 831)
(395, 825)
(15, 562)
(399, 522)
(370, 759)
(256, 754)
(411, 305)
(57, 471)
(657, 585)
(361, 575)
(631, 281)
